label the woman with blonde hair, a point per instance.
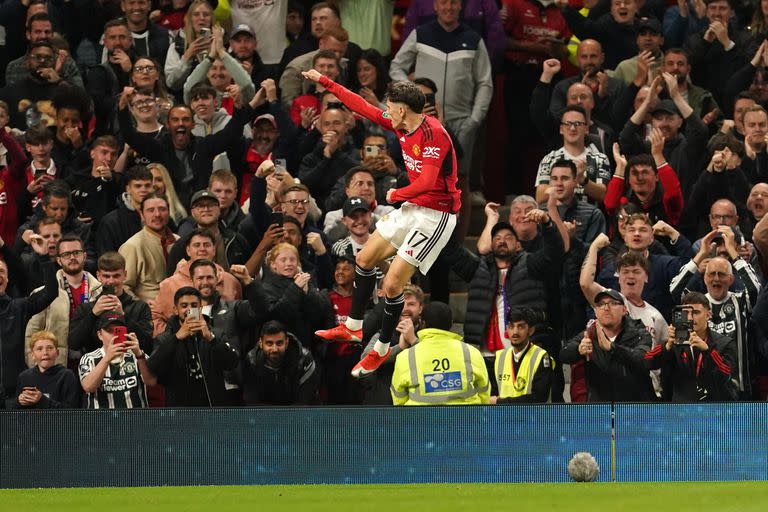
(292, 297)
(191, 45)
(162, 183)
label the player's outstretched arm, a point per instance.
(353, 101)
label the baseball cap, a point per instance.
(201, 195)
(265, 117)
(649, 23)
(109, 318)
(613, 294)
(666, 106)
(354, 204)
(502, 225)
(243, 29)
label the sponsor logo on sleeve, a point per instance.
(431, 152)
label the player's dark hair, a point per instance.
(407, 93)
(630, 259)
(200, 232)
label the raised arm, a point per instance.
(589, 287)
(353, 101)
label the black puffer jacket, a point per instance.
(526, 280)
(294, 383)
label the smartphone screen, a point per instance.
(194, 313)
(119, 331)
(371, 150)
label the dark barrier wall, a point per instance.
(379, 445)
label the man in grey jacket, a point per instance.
(458, 62)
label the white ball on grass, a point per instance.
(583, 467)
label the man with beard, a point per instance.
(685, 153)
(231, 246)
(591, 58)
(583, 222)
(39, 28)
(649, 42)
(200, 245)
(187, 157)
(189, 359)
(508, 276)
(279, 370)
(76, 286)
(229, 319)
(124, 221)
(32, 94)
(146, 252)
(107, 79)
(523, 370)
(613, 350)
(730, 309)
(701, 100)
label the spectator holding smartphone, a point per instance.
(189, 360)
(46, 385)
(114, 375)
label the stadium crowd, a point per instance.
(181, 210)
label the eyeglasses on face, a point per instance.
(71, 254)
(573, 124)
(607, 304)
(295, 202)
(144, 69)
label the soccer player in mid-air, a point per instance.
(418, 230)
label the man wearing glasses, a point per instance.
(76, 287)
(593, 168)
(613, 350)
(39, 28)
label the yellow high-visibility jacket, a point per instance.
(440, 369)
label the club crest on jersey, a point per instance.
(431, 152)
(416, 150)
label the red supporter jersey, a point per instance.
(530, 21)
(427, 151)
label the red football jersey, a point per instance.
(427, 151)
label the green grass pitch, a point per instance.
(655, 497)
